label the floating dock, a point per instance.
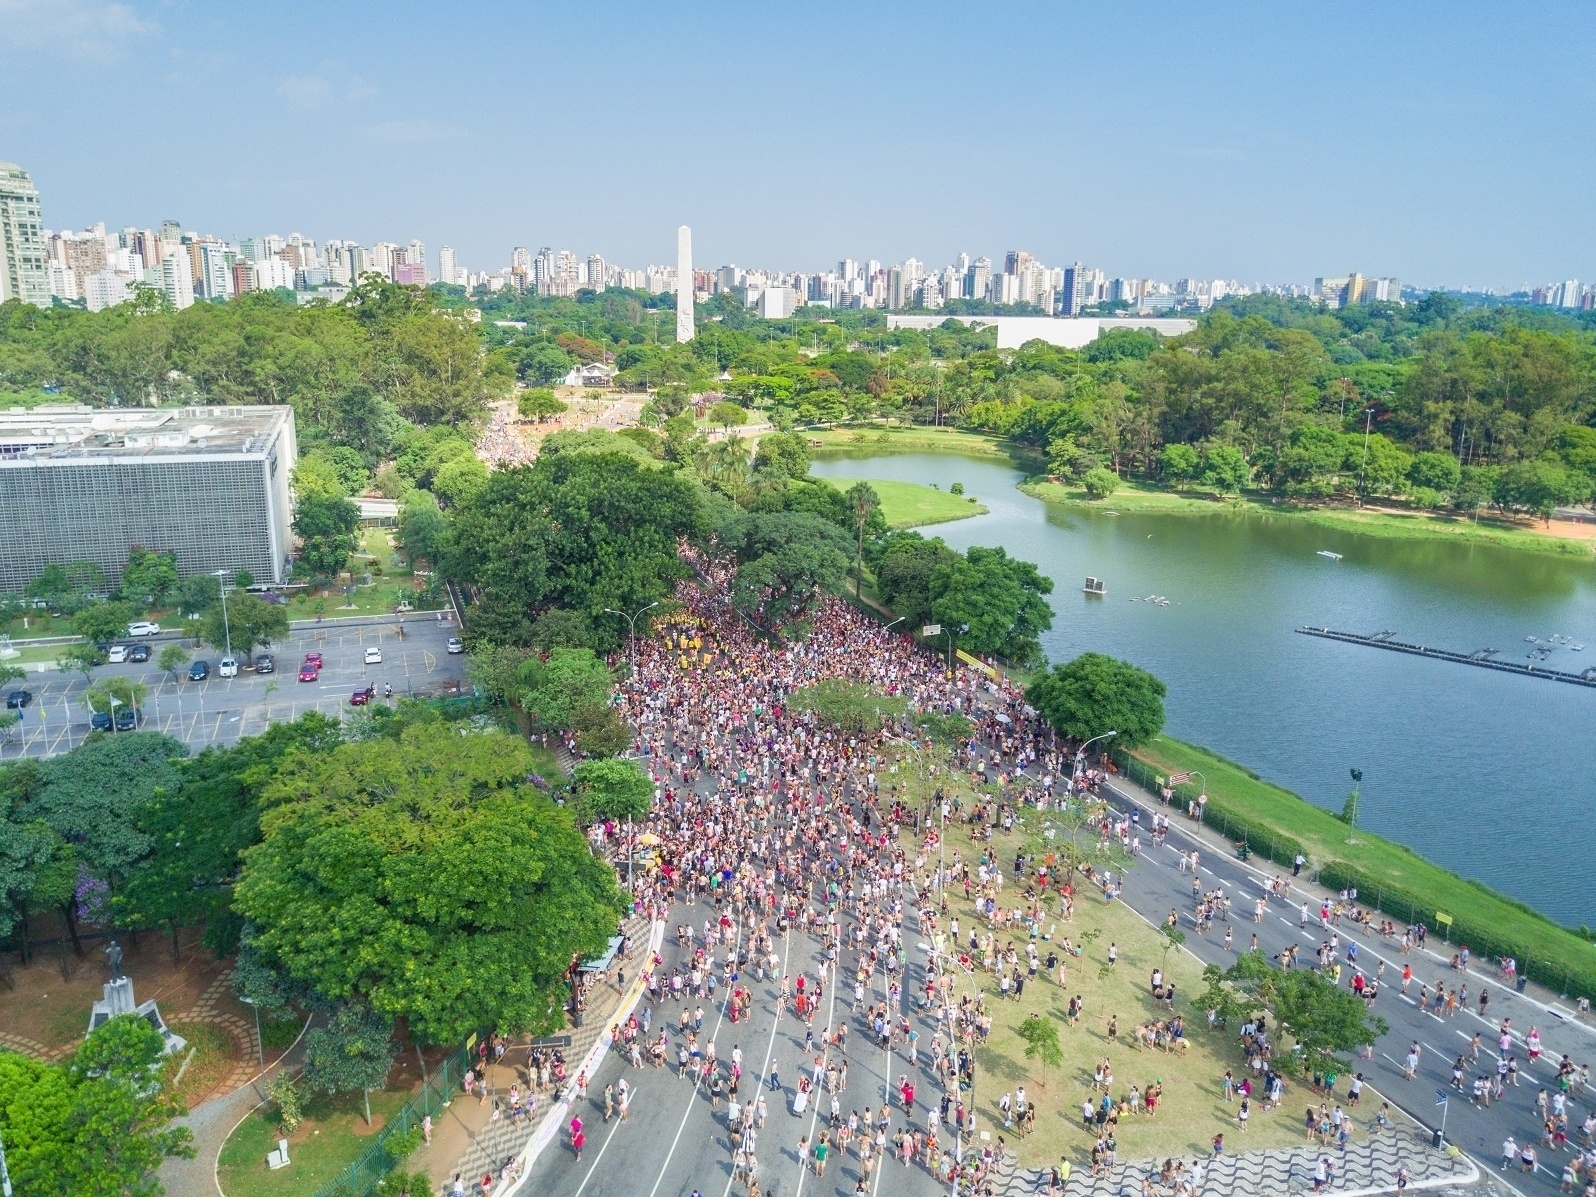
(1484, 658)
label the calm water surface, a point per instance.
(1487, 773)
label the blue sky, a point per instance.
(1445, 143)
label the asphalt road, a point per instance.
(673, 1143)
(1156, 885)
(220, 710)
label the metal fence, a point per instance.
(363, 1176)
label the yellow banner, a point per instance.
(976, 662)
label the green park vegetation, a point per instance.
(918, 438)
(1192, 1111)
(332, 1134)
(1384, 522)
(913, 504)
(1387, 875)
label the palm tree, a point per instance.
(865, 502)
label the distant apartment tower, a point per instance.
(1356, 288)
(208, 484)
(597, 272)
(1074, 296)
(447, 268)
(175, 277)
(978, 279)
(23, 256)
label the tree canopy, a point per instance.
(94, 1125)
(1094, 694)
(370, 885)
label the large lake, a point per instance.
(1487, 773)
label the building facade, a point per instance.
(24, 257)
(208, 484)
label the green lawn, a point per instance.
(1193, 1111)
(1234, 788)
(1390, 525)
(913, 504)
(881, 438)
(332, 1136)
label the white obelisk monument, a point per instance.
(684, 284)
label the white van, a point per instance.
(227, 667)
(116, 654)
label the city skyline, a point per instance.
(1213, 144)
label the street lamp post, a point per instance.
(1080, 753)
(260, 1044)
(227, 634)
(631, 621)
(1352, 803)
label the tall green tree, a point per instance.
(196, 828)
(863, 502)
(149, 578)
(1095, 694)
(369, 884)
(580, 531)
(353, 1051)
(1001, 600)
(248, 622)
(102, 621)
(327, 528)
(615, 790)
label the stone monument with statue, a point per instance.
(119, 999)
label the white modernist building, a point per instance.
(1067, 332)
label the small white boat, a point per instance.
(1329, 554)
(1095, 586)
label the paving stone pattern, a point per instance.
(497, 1141)
(1369, 1165)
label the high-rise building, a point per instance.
(216, 270)
(978, 279)
(447, 269)
(176, 279)
(684, 284)
(1076, 293)
(597, 272)
(416, 255)
(22, 250)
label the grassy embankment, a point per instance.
(913, 504)
(1193, 1111)
(882, 438)
(1385, 524)
(1556, 956)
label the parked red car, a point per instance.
(313, 660)
(361, 697)
(308, 672)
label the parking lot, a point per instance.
(219, 710)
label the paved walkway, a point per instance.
(211, 1122)
(467, 1141)
(1369, 1165)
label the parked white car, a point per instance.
(143, 628)
(116, 654)
(227, 667)
(374, 655)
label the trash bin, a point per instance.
(1436, 1139)
(1522, 981)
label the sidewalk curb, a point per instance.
(549, 1129)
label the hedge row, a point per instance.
(1486, 946)
(1260, 837)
